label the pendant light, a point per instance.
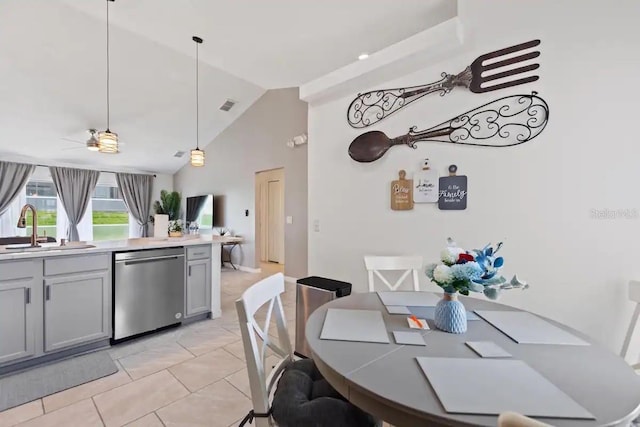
(197, 155)
(107, 140)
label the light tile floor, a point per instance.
(193, 375)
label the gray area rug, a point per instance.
(42, 381)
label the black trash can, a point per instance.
(311, 293)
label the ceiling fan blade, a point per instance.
(74, 141)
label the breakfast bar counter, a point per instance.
(76, 248)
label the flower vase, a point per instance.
(450, 315)
(175, 234)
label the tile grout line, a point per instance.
(192, 353)
(244, 362)
(98, 411)
(242, 392)
(120, 365)
(170, 403)
(158, 417)
(181, 383)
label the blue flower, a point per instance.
(467, 271)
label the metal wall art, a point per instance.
(508, 121)
(371, 107)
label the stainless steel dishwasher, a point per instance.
(148, 290)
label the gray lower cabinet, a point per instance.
(198, 287)
(18, 309)
(76, 309)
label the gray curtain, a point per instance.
(136, 192)
(74, 187)
(13, 178)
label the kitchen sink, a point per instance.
(20, 248)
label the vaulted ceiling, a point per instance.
(53, 67)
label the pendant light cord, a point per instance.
(108, 64)
(197, 101)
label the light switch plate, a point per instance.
(316, 225)
(289, 220)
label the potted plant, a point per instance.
(175, 228)
(166, 209)
(169, 204)
(466, 271)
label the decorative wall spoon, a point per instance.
(505, 122)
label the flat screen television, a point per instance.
(200, 210)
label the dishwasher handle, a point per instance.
(145, 260)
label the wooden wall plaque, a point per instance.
(402, 193)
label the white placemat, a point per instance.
(493, 386)
(527, 328)
(354, 325)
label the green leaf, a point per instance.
(169, 204)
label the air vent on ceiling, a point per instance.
(179, 154)
(228, 105)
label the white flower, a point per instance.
(450, 255)
(442, 274)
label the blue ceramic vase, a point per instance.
(450, 315)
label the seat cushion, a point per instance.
(304, 398)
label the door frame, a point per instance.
(261, 209)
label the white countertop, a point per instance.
(118, 246)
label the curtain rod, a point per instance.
(50, 166)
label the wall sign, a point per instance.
(453, 191)
(425, 184)
(402, 193)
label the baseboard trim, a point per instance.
(289, 279)
(249, 269)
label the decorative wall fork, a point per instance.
(505, 122)
(370, 107)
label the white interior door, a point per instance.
(263, 218)
(275, 227)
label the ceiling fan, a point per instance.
(90, 144)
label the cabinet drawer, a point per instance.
(76, 264)
(199, 252)
(12, 270)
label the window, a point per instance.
(110, 215)
(42, 195)
(106, 217)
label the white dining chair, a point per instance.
(634, 295)
(513, 419)
(301, 396)
(410, 264)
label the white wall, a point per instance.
(537, 197)
(253, 143)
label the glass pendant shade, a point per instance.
(93, 144)
(197, 157)
(108, 142)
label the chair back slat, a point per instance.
(266, 291)
(634, 291)
(634, 295)
(410, 264)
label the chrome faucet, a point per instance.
(22, 223)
